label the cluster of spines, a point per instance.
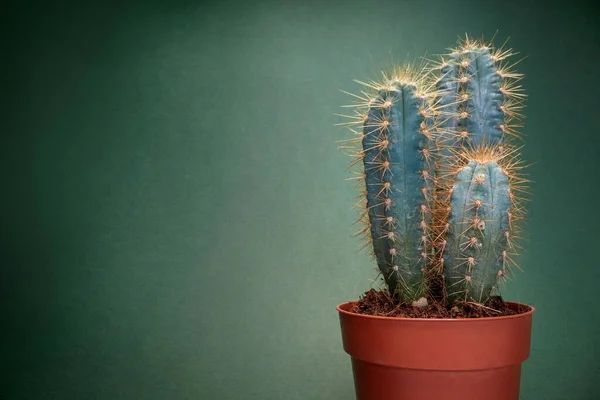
(395, 150)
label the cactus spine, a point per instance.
(440, 173)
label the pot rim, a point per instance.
(531, 310)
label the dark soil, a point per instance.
(380, 303)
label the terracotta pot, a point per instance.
(436, 359)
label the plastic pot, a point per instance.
(436, 359)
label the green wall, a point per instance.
(175, 220)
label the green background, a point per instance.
(175, 219)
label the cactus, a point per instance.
(440, 173)
(395, 154)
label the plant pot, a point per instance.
(436, 359)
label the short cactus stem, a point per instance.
(478, 237)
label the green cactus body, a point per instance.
(478, 237)
(398, 185)
(473, 96)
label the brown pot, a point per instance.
(436, 359)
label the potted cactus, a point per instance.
(441, 203)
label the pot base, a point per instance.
(377, 382)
